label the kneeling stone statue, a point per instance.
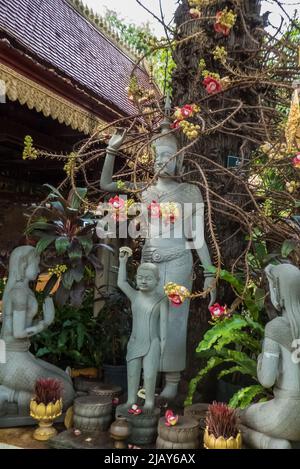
(21, 369)
(276, 423)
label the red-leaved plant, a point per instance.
(222, 420)
(47, 390)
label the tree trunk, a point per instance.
(242, 46)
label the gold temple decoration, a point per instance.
(35, 96)
(292, 130)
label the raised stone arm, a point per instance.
(21, 330)
(106, 181)
(122, 276)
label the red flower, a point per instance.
(115, 401)
(135, 410)
(116, 202)
(154, 209)
(296, 161)
(187, 110)
(171, 419)
(219, 27)
(217, 311)
(175, 124)
(212, 85)
(175, 300)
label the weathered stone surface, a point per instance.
(87, 440)
(143, 426)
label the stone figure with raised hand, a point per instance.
(19, 373)
(172, 253)
(276, 423)
(149, 321)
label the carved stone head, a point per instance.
(147, 277)
(165, 147)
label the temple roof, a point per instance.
(56, 34)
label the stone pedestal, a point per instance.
(92, 413)
(198, 412)
(105, 390)
(143, 426)
(184, 435)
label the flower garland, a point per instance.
(169, 212)
(176, 293)
(188, 128)
(119, 207)
(225, 20)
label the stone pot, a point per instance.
(211, 442)
(45, 414)
(119, 432)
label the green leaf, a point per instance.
(39, 225)
(75, 253)
(260, 298)
(221, 329)
(288, 246)
(80, 335)
(56, 193)
(67, 279)
(245, 396)
(248, 364)
(42, 351)
(62, 339)
(242, 338)
(86, 242)
(43, 243)
(212, 363)
(75, 196)
(62, 244)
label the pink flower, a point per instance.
(116, 202)
(175, 299)
(135, 410)
(296, 161)
(217, 311)
(187, 110)
(171, 419)
(219, 27)
(154, 209)
(115, 401)
(212, 85)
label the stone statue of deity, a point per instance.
(172, 255)
(276, 423)
(21, 369)
(149, 322)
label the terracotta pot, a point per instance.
(45, 414)
(119, 432)
(211, 442)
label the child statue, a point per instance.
(147, 340)
(21, 369)
(276, 423)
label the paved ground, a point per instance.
(21, 438)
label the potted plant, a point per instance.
(222, 431)
(46, 406)
(64, 231)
